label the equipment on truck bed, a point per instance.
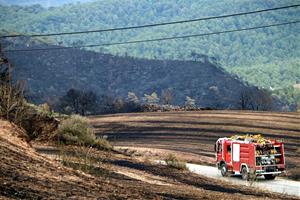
(250, 156)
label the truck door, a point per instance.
(228, 153)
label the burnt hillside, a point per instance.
(52, 73)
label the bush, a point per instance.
(102, 144)
(77, 130)
(172, 161)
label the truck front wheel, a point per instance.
(269, 176)
(245, 174)
(224, 170)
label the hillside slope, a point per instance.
(27, 175)
(52, 73)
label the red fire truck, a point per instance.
(250, 156)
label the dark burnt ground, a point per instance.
(194, 185)
(191, 179)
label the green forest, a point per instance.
(268, 58)
(279, 77)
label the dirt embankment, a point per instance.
(27, 175)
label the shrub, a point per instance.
(172, 161)
(76, 130)
(102, 144)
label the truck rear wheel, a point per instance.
(269, 176)
(245, 174)
(224, 170)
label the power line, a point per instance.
(151, 25)
(156, 39)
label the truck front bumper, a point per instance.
(273, 169)
(262, 172)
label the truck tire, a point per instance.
(245, 174)
(224, 170)
(269, 176)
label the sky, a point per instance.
(45, 3)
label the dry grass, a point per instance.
(172, 161)
(102, 144)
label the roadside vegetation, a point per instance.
(172, 161)
(76, 130)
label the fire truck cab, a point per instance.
(250, 156)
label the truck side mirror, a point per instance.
(215, 147)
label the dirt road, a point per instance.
(280, 185)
